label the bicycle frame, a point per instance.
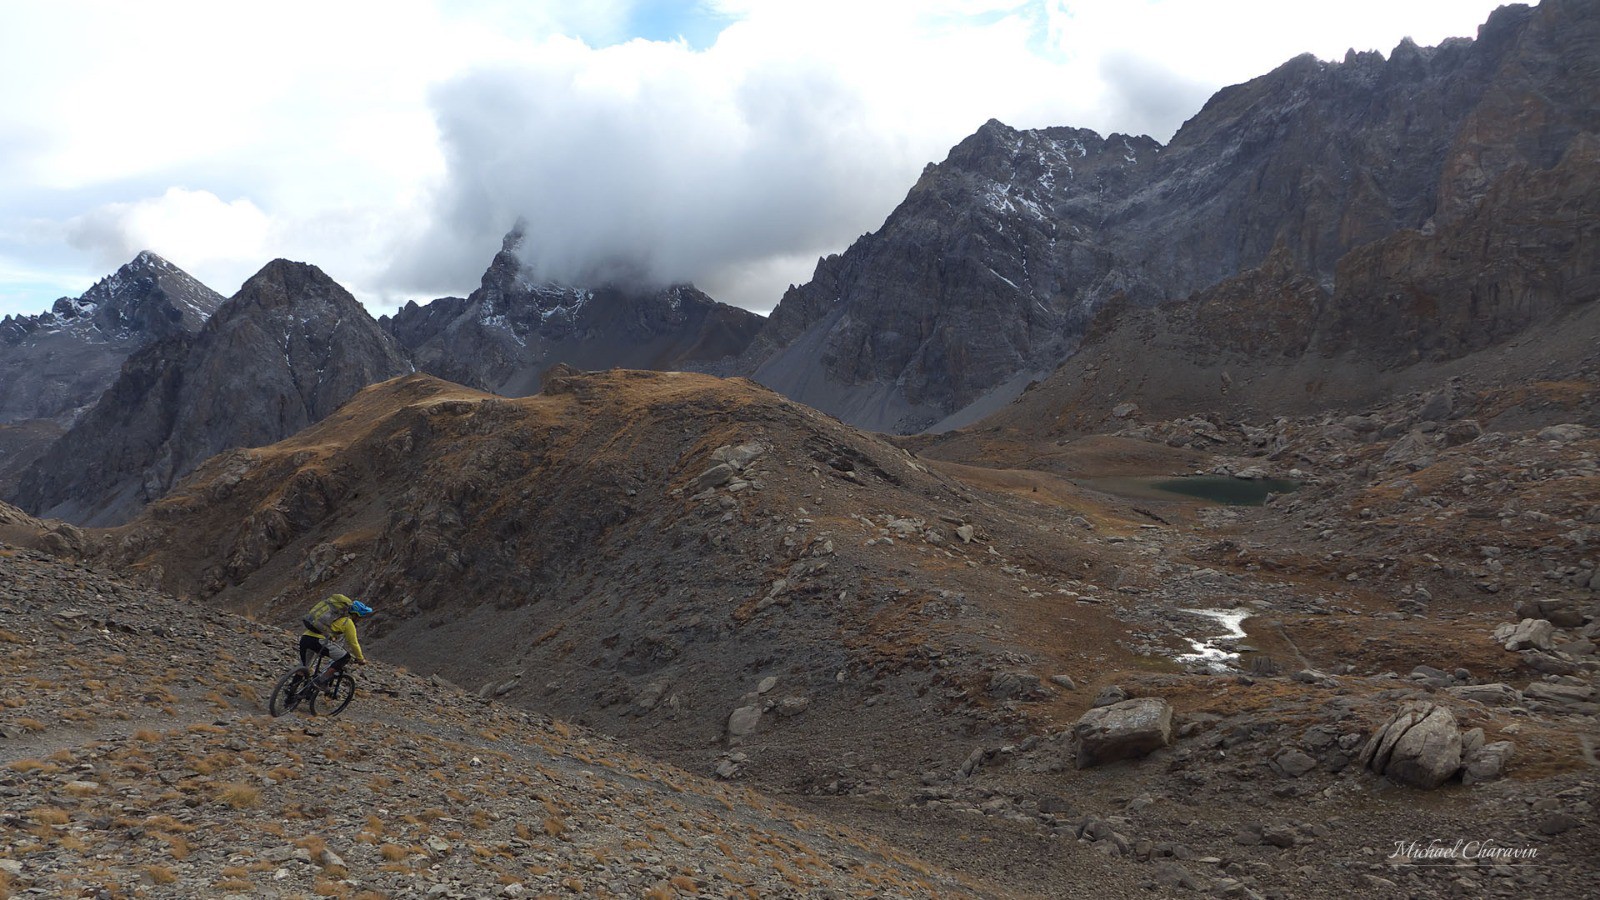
(302, 679)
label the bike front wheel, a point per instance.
(336, 697)
(286, 694)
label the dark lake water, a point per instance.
(1215, 488)
(1225, 489)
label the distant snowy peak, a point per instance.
(147, 297)
(1043, 157)
(150, 278)
(54, 365)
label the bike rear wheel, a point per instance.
(286, 694)
(343, 691)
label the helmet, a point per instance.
(360, 609)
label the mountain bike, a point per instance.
(299, 686)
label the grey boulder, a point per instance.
(1487, 763)
(1494, 694)
(1529, 634)
(1130, 729)
(1420, 746)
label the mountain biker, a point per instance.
(331, 621)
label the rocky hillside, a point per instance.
(993, 659)
(514, 327)
(1503, 295)
(137, 759)
(282, 353)
(53, 366)
(293, 345)
(671, 539)
(1375, 179)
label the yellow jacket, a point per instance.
(343, 627)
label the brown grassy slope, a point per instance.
(562, 536)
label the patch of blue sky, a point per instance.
(1037, 14)
(29, 297)
(695, 23)
(32, 276)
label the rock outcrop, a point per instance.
(282, 353)
(1529, 634)
(514, 327)
(57, 538)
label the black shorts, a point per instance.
(311, 645)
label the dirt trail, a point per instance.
(159, 757)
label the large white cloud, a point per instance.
(803, 124)
(393, 142)
(210, 235)
(734, 166)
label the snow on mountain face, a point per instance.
(54, 364)
(991, 269)
(147, 298)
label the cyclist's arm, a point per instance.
(347, 627)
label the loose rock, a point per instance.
(1127, 730)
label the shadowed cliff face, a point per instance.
(54, 365)
(1501, 295)
(282, 353)
(991, 269)
(513, 327)
(1524, 252)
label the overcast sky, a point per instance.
(726, 142)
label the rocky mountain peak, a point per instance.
(284, 284)
(512, 242)
(1506, 23)
(151, 294)
(54, 365)
(988, 273)
(282, 353)
(1000, 151)
(517, 324)
(147, 297)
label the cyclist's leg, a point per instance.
(310, 646)
(339, 657)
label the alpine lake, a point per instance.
(1219, 489)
